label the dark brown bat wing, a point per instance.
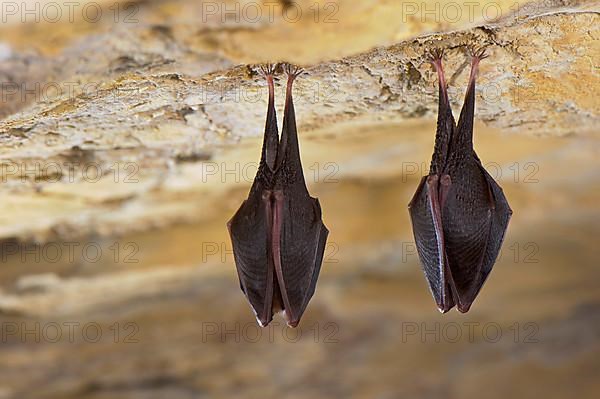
(250, 232)
(303, 239)
(424, 210)
(475, 218)
(459, 213)
(425, 206)
(303, 234)
(500, 216)
(467, 221)
(475, 212)
(251, 226)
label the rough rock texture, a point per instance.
(142, 140)
(157, 113)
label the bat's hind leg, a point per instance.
(268, 71)
(292, 72)
(271, 136)
(477, 54)
(435, 57)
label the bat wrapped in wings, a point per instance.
(278, 236)
(459, 213)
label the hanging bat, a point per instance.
(278, 236)
(459, 213)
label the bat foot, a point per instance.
(292, 71)
(435, 56)
(477, 53)
(268, 69)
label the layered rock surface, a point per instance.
(142, 140)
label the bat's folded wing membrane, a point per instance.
(500, 216)
(249, 233)
(429, 238)
(470, 223)
(303, 239)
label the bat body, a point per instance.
(277, 234)
(459, 213)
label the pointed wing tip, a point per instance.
(461, 309)
(291, 320)
(262, 321)
(444, 308)
(464, 308)
(265, 321)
